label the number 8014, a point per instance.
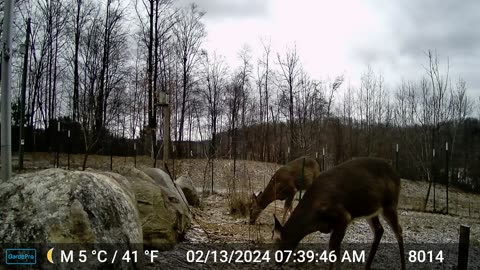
(422, 256)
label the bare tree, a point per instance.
(308, 98)
(214, 81)
(81, 13)
(137, 96)
(289, 72)
(262, 81)
(373, 108)
(104, 57)
(234, 103)
(189, 32)
(461, 107)
(79, 22)
(437, 107)
(244, 75)
(349, 120)
(333, 88)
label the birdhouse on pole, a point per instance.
(163, 99)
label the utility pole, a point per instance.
(6, 118)
(23, 93)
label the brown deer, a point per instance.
(363, 187)
(284, 184)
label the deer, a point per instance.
(359, 188)
(284, 184)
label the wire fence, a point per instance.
(446, 178)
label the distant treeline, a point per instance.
(336, 139)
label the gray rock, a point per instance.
(185, 183)
(175, 194)
(164, 215)
(122, 181)
(58, 206)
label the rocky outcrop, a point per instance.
(164, 215)
(163, 179)
(61, 206)
(122, 181)
(58, 206)
(185, 183)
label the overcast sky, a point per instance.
(344, 36)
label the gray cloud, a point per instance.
(449, 27)
(232, 8)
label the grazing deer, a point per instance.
(363, 187)
(284, 184)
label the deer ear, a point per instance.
(254, 196)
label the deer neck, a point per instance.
(303, 221)
(265, 198)
(294, 231)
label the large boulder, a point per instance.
(185, 183)
(58, 206)
(123, 182)
(163, 213)
(165, 181)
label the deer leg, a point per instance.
(335, 242)
(287, 208)
(377, 232)
(391, 215)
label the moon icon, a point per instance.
(49, 255)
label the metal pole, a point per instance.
(111, 153)
(396, 157)
(134, 153)
(58, 144)
(463, 244)
(323, 159)
(447, 175)
(433, 178)
(34, 145)
(23, 93)
(6, 108)
(173, 158)
(69, 149)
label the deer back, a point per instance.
(299, 172)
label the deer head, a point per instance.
(255, 209)
(325, 218)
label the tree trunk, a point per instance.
(76, 79)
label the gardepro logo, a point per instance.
(20, 256)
